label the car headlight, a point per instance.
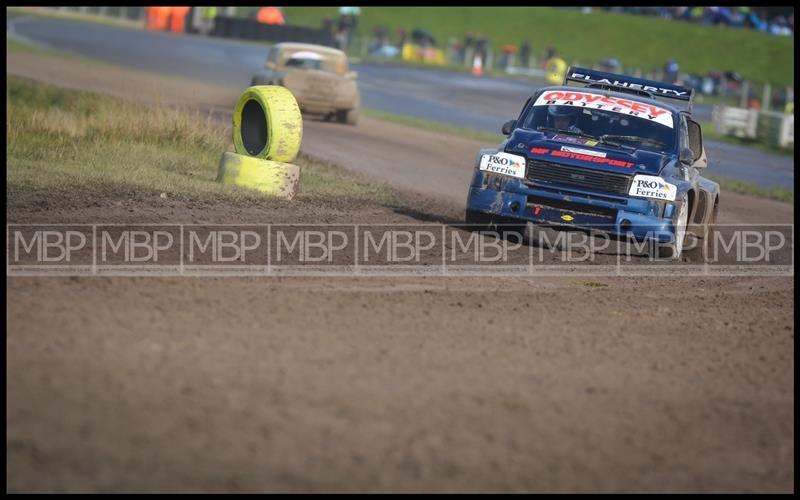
(493, 181)
(656, 208)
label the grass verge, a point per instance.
(778, 193)
(61, 140)
(433, 126)
(14, 44)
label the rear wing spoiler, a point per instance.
(623, 83)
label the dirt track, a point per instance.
(412, 384)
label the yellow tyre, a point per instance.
(267, 124)
(556, 68)
(271, 177)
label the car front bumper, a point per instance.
(620, 215)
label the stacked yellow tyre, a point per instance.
(556, 68)
(267, 131)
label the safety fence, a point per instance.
(224, 24)
(766, 127)
(251, 29)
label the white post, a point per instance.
(197, 20)
(767, 97)
(745, 90)
(787, 131)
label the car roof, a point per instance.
(309, 46)
(613, 93)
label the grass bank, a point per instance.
(727, 184)
(637, 41)
(61, 140)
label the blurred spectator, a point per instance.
(671, 71)
(778, 21)
(348, 22)
(549, 53)
(780, 27)
(469, 43)
(525, 54)
(327, 26)
(610, 65)
(381, 47)
(423, 38)
(508, 51)
(207, 14)
(482, 48)
(403, 37)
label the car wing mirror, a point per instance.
(508, 127)
(695, 138)
(687, 156)
(702, 161)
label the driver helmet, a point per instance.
(557, 112)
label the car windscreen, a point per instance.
(619, 121)
(304, 63)
(333, 63)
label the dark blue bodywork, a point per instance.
(561, 202)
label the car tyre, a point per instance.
(348, 116)
(700, 252)
(479, 221)
(673, 250)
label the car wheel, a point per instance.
(348, 116)
(351, 117)
(674, 249)
(479, 221)
(699, 249)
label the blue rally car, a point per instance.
(610, 153)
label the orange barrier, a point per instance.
(158, 18)
(177, 23)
